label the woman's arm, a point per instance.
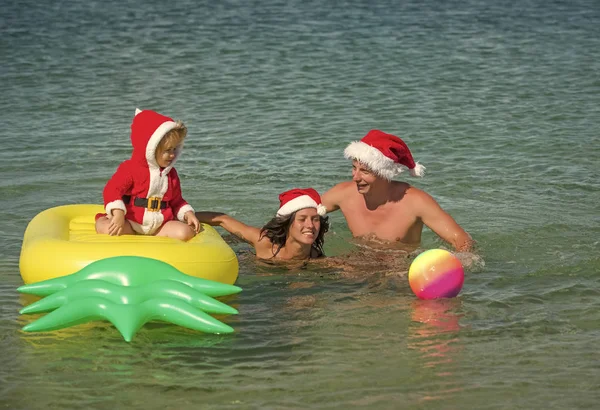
(245, 232)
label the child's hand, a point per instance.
(117, 221)
(192, 221)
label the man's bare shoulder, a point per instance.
(336, 195)
(342, 187)
(419, 199)
(417, 194)
(407, 194)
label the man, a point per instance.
(376, 206)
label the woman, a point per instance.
(296, 232)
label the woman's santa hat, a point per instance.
(384, 154)
(300, 198)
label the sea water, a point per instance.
(500, 100)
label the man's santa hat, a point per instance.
(384, 154)
(300, 198)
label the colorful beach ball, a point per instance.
(436, 273)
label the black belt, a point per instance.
(151, 204)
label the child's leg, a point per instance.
(103, 223)
(177, 230)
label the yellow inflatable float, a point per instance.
(60, 241)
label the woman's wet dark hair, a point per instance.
(277, 231)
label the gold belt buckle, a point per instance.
(154, 204)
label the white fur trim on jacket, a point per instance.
(299, 203)
(373, 158)
(183, 210)
(139, 228)
(157, 187)
(118, 204)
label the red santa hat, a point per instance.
(300, 198)
(385, 154)
(147, 130)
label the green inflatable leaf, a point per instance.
(128, 319)
(129, 295)
(129, 271)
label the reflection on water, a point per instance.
(435, 318)
(434, 334)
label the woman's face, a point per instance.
(305, 226)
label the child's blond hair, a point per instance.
(173, 138)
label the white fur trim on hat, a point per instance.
(301, 202)
(153, 142)
(418, 170)
(374, 159)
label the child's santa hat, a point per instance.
(147, 130)
(300, 198)
(384, 154)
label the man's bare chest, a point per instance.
(388, 222)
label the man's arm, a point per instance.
(332, 198)
(440, 222)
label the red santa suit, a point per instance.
(158, 189)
